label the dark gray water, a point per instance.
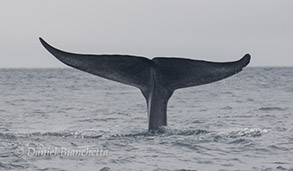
(244, 122)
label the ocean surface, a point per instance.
(64, 119)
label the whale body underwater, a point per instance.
(157, 78)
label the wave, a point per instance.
(93, 134)
(246, 132)
(53, 134)
(162, 132)
(272, 109)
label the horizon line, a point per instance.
(256, 66)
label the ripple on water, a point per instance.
(163, 132)
(246, 132)
(272, 109)
(240, 141)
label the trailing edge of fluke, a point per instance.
(157, 78)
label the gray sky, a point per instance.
(200, 29)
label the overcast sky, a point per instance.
(199, 29)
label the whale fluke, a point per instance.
(157, 78)
(131, 70)
(181, 73)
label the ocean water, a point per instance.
(64, 119)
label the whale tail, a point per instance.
(157, 78)
(134, 70)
